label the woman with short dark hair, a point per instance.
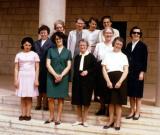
(58, 64)
(137, 54)
(26, 77)
(41, 47)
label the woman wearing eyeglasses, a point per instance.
(137, 55)
(58, 64)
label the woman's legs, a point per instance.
(28, 106)
(132, 106)
(45, 101)
(79, 113)
(23, 106)
(85, 113)
(111, 114)
(138, 107)
(102, 109)
(51, 108)
(118, 115)
(60, 108)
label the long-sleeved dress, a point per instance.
(82, 87)
(137, 63)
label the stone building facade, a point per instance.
(19, 18)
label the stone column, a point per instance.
(158, 73)
(50, 11)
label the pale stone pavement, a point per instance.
(9, 115)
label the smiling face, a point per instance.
(58, 41)
(79, 24)
(27, 46)
(117, 46)
(92, 25)
(108, 34)
(107, 23)
(44, 34)
(59, 27)
(135, 35)
(83, 46)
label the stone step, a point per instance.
(69, 117)
(147, 110)
(37, 127)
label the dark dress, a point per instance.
(137, 63)
(100, 84)
(58, 63)
(82, 87)
(117, 96)
(42, 52)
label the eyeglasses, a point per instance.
(58, 39)
(136, 33)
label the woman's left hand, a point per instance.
(36, 83)
(84, 73)
(118, 85)
(141, 76)
(58, 79)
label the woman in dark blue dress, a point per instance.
(41, 47)
(137, 55)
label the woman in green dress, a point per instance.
(58, 65)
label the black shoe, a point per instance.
(45, 108)
(38, 108)
(136, 118)
(27, 118)
(101, 112)
(22, 118)
(130, 117)
(117, 128)
(48, 121)
(108, 126)
(96, 99)
(57, 122)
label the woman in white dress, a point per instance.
(26, 77)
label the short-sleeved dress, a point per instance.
(26, 74)
(58, 63)
(115, 62)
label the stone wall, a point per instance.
(19, 18)
(144, 13)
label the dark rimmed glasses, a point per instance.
(136, 32)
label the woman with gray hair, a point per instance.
(100, 51)
(83, 79)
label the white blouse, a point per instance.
(101, 50)
(92, 38)
(115, 61)
(82, 60)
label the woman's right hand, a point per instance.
(109, 85)
(16, 84)
(58, 78)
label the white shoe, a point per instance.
(77, 123)
(85, 124)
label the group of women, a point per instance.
(115, 74)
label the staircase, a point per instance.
(148, 124)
